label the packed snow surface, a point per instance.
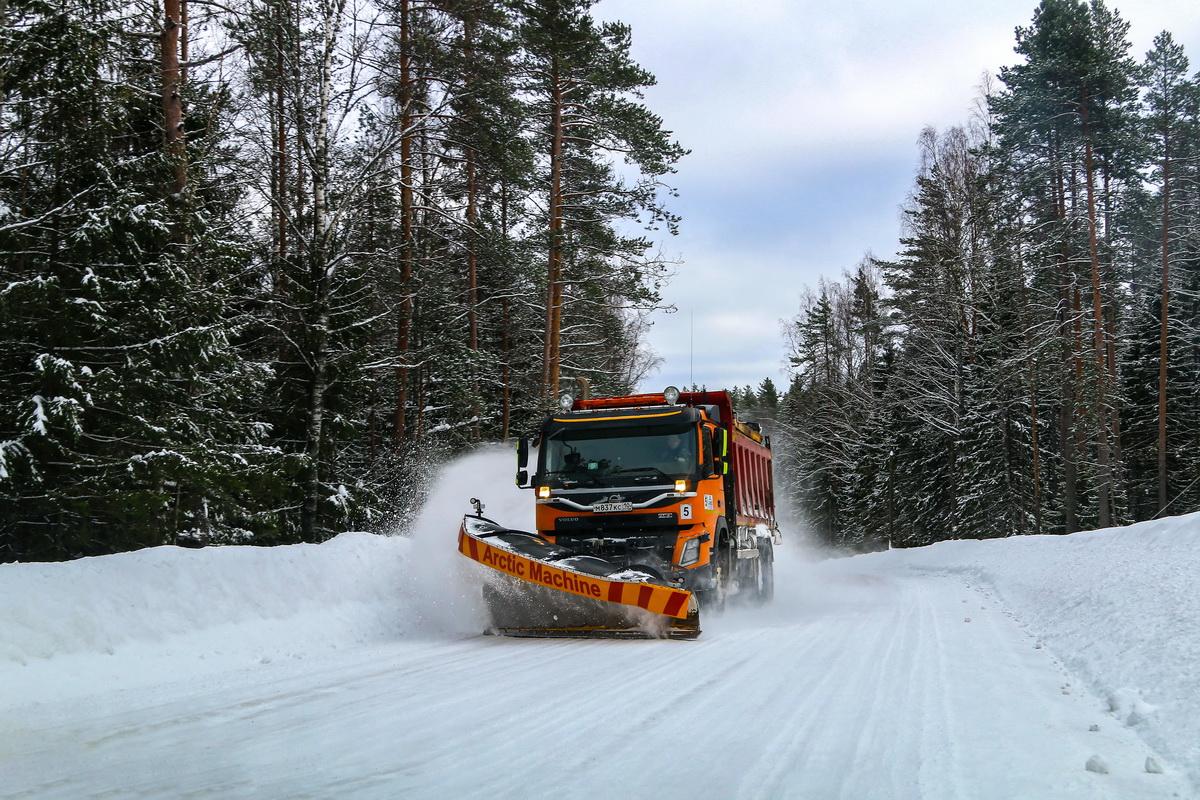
(1036, 667)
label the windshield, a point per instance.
(644, 455)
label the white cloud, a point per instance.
(802, 117)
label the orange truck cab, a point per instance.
(671, 484)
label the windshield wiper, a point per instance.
(642, 469)
(575, 476)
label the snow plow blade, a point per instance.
(539, 589)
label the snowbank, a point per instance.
(1120, 608)
(168, 613)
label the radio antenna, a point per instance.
(691, 345)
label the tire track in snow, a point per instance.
(851, 716)
(880, 690)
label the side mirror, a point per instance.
(523, 462)
(721, 462)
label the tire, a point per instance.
(766, 574)
(713, 600)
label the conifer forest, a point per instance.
(1030, 360)
(264, 264)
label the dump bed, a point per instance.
(752, 477)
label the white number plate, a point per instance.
(606, 508)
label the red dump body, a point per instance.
(753, 476)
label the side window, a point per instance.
(707, 450)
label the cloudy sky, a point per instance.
(802, 118)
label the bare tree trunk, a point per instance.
(1163, 325)
(505, 371)
(505, 343)
(550, 366)
(1105, 485)
(1031, 368)
(408, 117)
(472, 253)
(281, 147)
(320, 268)
(472, 217)
(173, 134)
(1066, 416)
(472, 263)
(1110, 326)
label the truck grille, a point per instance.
(624, 538)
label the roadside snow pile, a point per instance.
(1120, 608)
(171, 613)
(99, 605)
(167, 613)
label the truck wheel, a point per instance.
(766, 574)
(713, 600)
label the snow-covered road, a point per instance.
(885, 676)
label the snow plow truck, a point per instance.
(651, 509)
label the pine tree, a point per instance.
(584, 91)
(1063, 126)
(1168, 99)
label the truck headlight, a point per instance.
(691, 552)
(543, 492)
(681, 487)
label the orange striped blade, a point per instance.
(655, 599)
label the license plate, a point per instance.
(608, 508)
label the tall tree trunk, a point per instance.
(281, 143)
(505, 340)
(408, 117)
(472, 263)
(1119, 477)
(1104, 487)
(320, 256)
(172, 105)
(1031, 369)
(472, 216)
(472, 251)
(555, 259)
(1066, 415)
(473, 294)
(1163, 324)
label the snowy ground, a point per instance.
(354, 669)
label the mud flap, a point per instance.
(543, 590)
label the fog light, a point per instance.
(671, 395)
(565, 401)
(691, 552)
(543, 492)
(681, 486)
